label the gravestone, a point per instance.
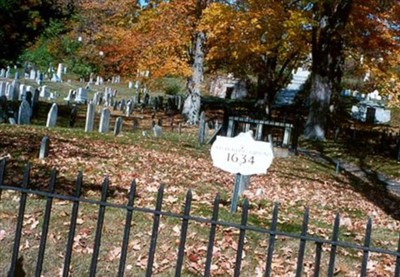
(52, 116)
(28, 97)
(35, 102)
(3, 109)
(118, 126)
(202, 128)
(60, 71)
(157, 130)
(44, 92)
(135, 124)
(90, 117)
(16, 77)
(24, 113)
(70, 95)
(72, 117)
(104, 121)
(44, 147)
(81, 96)
(3, 86)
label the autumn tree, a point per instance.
(340, 28)
(260, 38)
(22, 21)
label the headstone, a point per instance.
(135, 124)
(370, 116)
(44, 147)
(81, 96)
(44, 92)
(24, 113)
(3, 109)
(3, 86)
(104, 121)
(28, 97)
(16, 77)
(118, 126)
(32, 74)
(157, 130)
(12, 121)
(72, 117)
(35, 102)
(202, 128)
(52, 116)
(90, 117)
(59, 72)
(70, 95)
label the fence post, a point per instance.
(335, 236)
(242, 234)
(72, 225)
(128, 220)
(45, 225)
(212, 236)
(302, 247)
(185, 223)
(271, 244)
(20, 220)
(367, 242)
(154, 233)
(99, 228)
(2, 173)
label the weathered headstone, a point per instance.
(104, 121)
(135, 124)
(81, 96)
(202, 128)
(24, 113)
(118, 126)
(157, 130)
(35, 102)
(3, 86)
(44, 92)
(3, 109)
(52, 116)
(44, 147)
(72, 117)
(90, 113)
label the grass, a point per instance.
(179, 163)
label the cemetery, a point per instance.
(199, 138)
(114, 132)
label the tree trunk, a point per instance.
(319, 100)
(191, 108)
(327, 63)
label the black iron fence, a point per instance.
(272, 233)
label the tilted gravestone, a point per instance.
(44, 147)
(52, 116)
(104, 121)
(118, 126)
(89, 117)
(24, 113)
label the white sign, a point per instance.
(242, 154)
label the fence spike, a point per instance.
(154, 233)
(302, 247)
(72, 225)
(99, 227)
(397, 270)
(317, 262)
(128, 220)
(367, 242)
(272, 237)
(185, 223)
(242, 234)
(335, 236)
(20, 220)
(211, 238)
(2, 173)
(45, 225)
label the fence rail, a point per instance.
(185, 217)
